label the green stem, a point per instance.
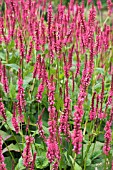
(105, 163)
(9, 151)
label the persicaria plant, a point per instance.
(56, 85)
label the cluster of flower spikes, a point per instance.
(40, 70)
(108, 132)
(62, 37)
(64, 124)
(53, 152)
(85, 81)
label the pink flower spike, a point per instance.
(99, 4)
(14, 119)
(2, 110)
(27, 155)
(107, 137)
(2, 164)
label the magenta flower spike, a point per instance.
(107, 136)
(14, 119)
(20, 97)
(27, 155)
(2, 164)
(2, 110)
(4, 79)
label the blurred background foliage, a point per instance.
(65, 2)
(56, 2)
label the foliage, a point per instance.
(56, 86)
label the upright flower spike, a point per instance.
(21, 44)
(89, 2)
(99, 42)
(28, 57)
(33, 162)
(110, 6)
(49, 18)
(4, 79)
(40, 128)
(110, 97)
(50, 32)
(27, 155)
(64, 124)
(5, 38)
(53, 152)
(85, 81)
(77, 133)
(40, 91)
(37, 66)
(37, 36)
(14, 119)
(101, 114)
(70, 56)
(92, 114)
(91, 25)
(2, 164)
(77, 64)
(2, 110)
(43, 33)
(107, 136)
(111, 114)
(99, 5)
(20, 97)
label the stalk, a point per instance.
(9, 151)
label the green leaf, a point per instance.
(93, 148)
(27, 80)
(8, 114)
(8, 163)
(72, 69)
(13, 66)
(11, 44)
(11, 147)
(88, 162)
(41, 162)
(77, 167)
(100, 138)
(9, 122)
(97, 86)
(20, 165)
(59, 102)
(5, 135)
(2, 55)
(12, 91)
(99, 70)
(96, 154)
